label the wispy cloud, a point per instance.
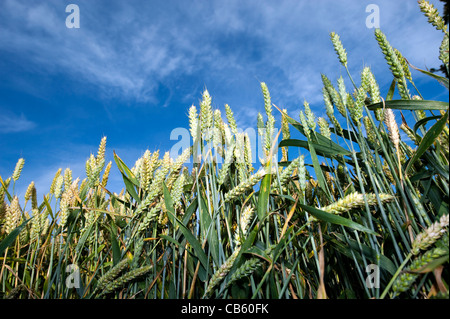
(13, 123)
(127, 51)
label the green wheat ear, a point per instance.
(339, 48)
(394, 63)
(245, 270)
(410, 274)
(430, 235)
(324, 127)
(193, 122)
(433, 15)
(18, 169)
(270, 119)
(124, 279)
(443, 50)
(222, 272)
(12, 216)
(230, 118)
(206, 115)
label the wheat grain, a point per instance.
(221, 273)
(394, 135)
(370, 131)
(230, 118)
(355, 200)
(324, 127)
(105, 176)
(339, 48)
(428, 237)
(394, 63)
(310, 117)
(305, 126)
(29, 191)
(123, 280)
(410, 274)
(244, 223)
(333, 95)
(245, 270)
(18, 169)
(356, 108)
(443, 50)
(404, 64)
(245, 185)
(206, 116)
(193, 122)
(260, 124)
(223, 173)
(269, 127)
(12, 216)
(59, 184)
(286, 173)
(111, 275)
(433, 15)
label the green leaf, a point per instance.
(128, 178)
(440, 79)
(49, 208)
(410, 105)
(335, 219)
(170, 239)
(282, 243)
(190, 210)
(200, 254)
(326, 148)
(428, 140)
(350, 245)
(264, 193)
(9, 240)
(208, 229)
(425, 120)
(318, 170)
(83, 239)
(117, 254)
(205, 217)
(391, 91)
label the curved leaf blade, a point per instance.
(410, 105)
(335, 219)
(428, 140)
(326, 149)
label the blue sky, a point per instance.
(133, 68)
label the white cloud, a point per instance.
(12, 123)
(125, 51)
